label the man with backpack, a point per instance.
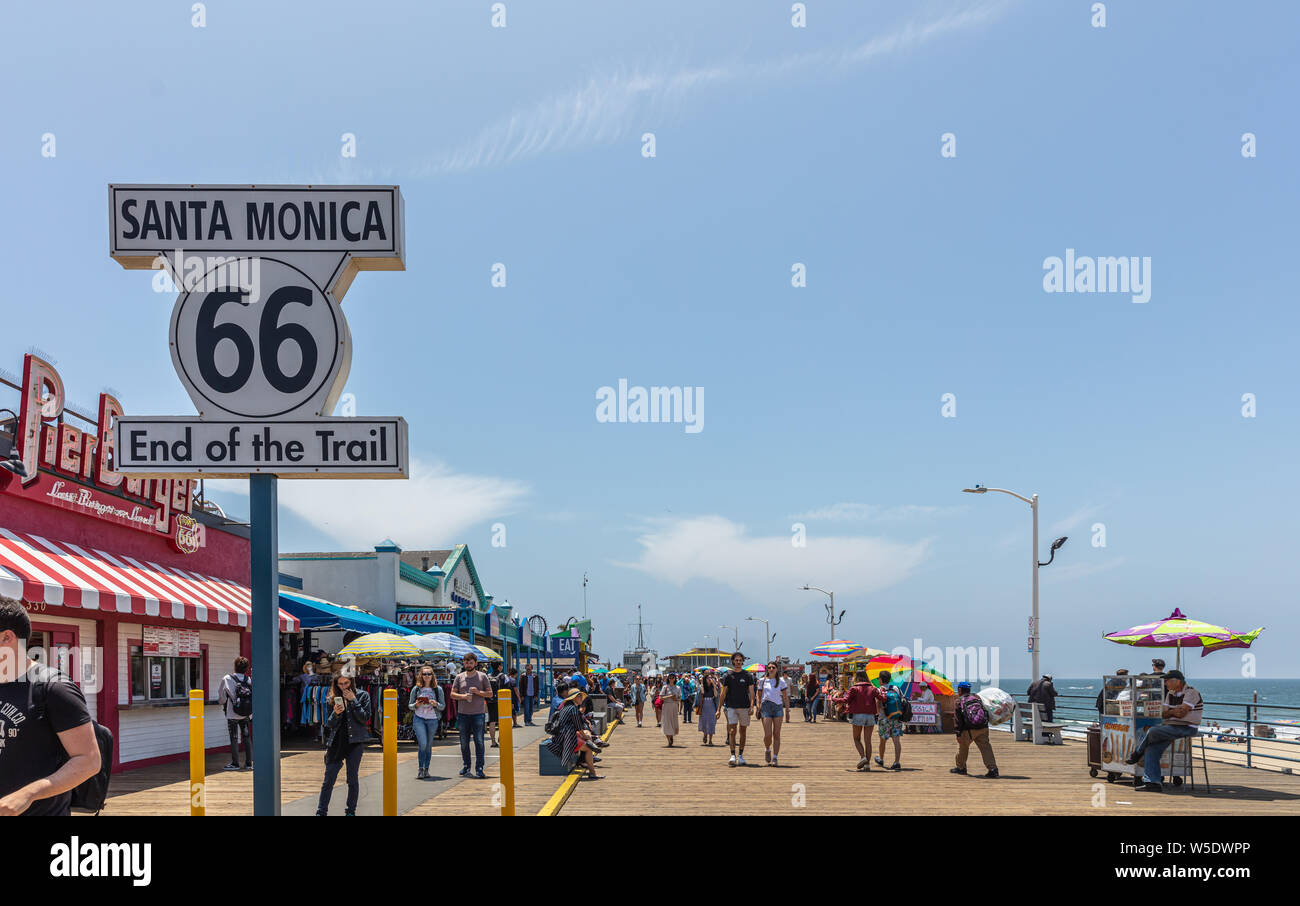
(236, 699)
(971, 720)
(894, 715)
(48, 746)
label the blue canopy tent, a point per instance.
(316, 614)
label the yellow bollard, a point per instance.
(390, 751)
(505, 738)
(198, 747)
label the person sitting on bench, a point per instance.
(1182, 712)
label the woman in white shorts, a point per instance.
(774, 705)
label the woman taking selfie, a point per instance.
(426, 705)
(346, 735)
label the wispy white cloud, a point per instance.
(1075, 519)
(870, 512)
(769, 569)
(434, 507)
(1069, 572)
(611, 107)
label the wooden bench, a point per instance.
(1027, 725)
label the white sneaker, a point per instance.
(740, 759)
(732, 760)
(774, 761)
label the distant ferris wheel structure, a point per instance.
(537, 625)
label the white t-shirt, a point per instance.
(772, 689)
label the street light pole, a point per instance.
(830, 608)
(1034, 638)
(767, 635)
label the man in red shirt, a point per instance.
(862, 701)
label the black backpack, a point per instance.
(243, 697)
(92, 793)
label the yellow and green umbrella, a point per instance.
(1180, 631)
(381, 644)
(488, 653)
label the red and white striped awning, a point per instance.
(60, 574)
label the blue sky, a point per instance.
(774, 145)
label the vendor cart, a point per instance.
(1130, 706)
(1094, 753)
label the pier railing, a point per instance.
(1238, 731)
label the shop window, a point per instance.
(163, 679)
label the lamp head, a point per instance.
(978, 489)
(1057, 544)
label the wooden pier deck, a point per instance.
(817, 776)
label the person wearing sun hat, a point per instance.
(567, 741)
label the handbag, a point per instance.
(659, 702)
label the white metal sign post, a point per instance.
(258, 339)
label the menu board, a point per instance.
(162, 641)
(187, 643)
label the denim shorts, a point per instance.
(863, 720)
(772, 710)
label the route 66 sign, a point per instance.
(247, 356)
(257, 335)
(257, 331)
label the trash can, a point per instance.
(1094, 750)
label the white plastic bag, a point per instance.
(999, 704)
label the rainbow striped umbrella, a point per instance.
(381, 644)
(756, 668)
(938, 683)
(1180, 631)
(894, 663)
(904, 672)
(835, 648)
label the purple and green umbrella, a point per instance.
(1180, 631)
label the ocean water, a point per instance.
(1225, 700)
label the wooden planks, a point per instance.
(817, 776)
(164, 789)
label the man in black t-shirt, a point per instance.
(738, 701)
(47, 740)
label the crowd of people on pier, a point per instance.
(736, 697)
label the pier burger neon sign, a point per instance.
(72, 468)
